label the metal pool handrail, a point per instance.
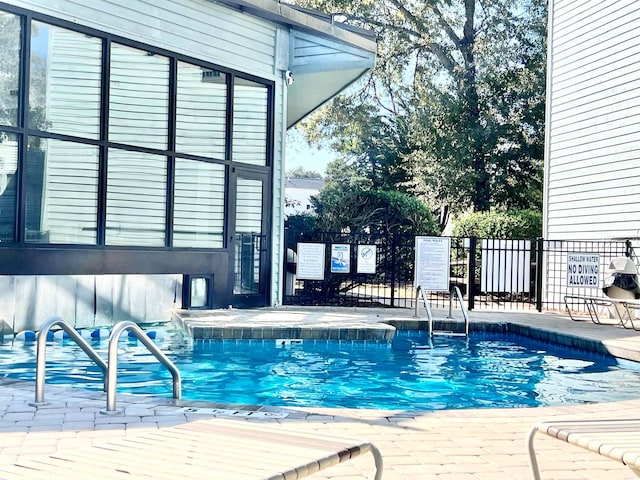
(41, 355)
(112, 362)
(455, 290)
(420, 291)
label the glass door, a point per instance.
(250, 241)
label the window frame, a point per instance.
(23, 131)
(22, 258)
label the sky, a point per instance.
(300, 154)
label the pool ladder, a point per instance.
(109, 368)
(454, 293)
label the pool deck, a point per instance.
(450, 444)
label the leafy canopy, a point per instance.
(454, 110)
(350, 203)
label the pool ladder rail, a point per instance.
(454, 293)
(109, 368)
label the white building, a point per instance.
(592, 142)
(592, 161)
(142, 150)
(298, 193)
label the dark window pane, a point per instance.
(201, 107)
(9, 68)
(138, 98)
(199, 204)
(250, 104)
(64, 90)
(136, 199)
(62, 192)
(8, 168)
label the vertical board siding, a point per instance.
(593, 164)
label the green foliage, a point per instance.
(349, 202)
(454, 110)
(515, 224)
(299, 224)
(301, 172)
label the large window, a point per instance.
(138, 98)
(8, 185)
(136, 199)
(199, 204)
(61, 192)
(114, 143)
(201, 109)
(10, 68)
(250, 107)
(64, 87)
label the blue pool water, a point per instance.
(411, 373)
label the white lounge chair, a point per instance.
(616, 439)
(207, 449)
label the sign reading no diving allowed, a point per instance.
(583, 270)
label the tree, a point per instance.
(454, 110)
(350, 203)
(301, 172)
(514, 224)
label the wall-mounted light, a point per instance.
(288, 78)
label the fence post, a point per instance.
(471, 271)
(393, 270)
(539, 272)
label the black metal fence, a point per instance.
(517, 274)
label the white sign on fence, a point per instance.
(432, 263)
(366, 259)
(583, 270)
(506, 266)
(310, 261)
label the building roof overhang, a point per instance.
(341, 53)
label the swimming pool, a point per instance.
(411, 373)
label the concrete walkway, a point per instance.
(452, 444)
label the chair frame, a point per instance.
(617, 439)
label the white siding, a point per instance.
(277, 227)
(312, 53)
(198, 28)
(593, 157)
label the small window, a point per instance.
(197, 292)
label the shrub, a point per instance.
(514, 224)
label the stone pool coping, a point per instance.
(344, 323)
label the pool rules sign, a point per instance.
(583, 270)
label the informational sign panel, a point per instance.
(432, 263)
(366, 262)
(340, 258)
(583, 270)
(310, 261)
(506, 266)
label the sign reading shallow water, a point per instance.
(340, 258)
(432, 259)
(583, 270)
